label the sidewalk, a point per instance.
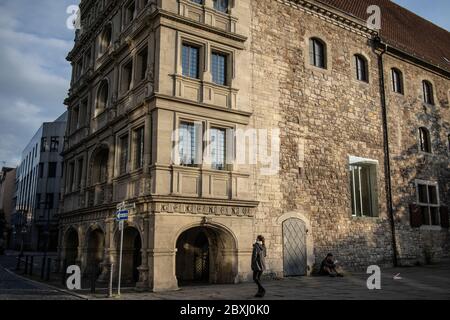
(425, 282)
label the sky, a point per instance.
(35, 77)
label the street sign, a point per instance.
(126, 206)
(122, 215)
(123, 210)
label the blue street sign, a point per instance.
(122, 215)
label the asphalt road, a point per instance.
(15, 287)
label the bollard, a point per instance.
(92, 281)
(19, 260)
(110, 294)
(49, 265)
(25, 271)
(63, 273)
(43, 268)
(31, 265)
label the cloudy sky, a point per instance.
(34, 75)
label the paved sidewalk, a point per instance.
(425, 282)
(417, 283)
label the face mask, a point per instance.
(259, 242)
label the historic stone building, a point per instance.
(170, 97)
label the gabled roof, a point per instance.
(403, 29)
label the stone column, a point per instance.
(108, 250)
(143, 283)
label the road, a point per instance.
(15, 287)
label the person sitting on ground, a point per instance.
(328, 267)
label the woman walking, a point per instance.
(259, 264)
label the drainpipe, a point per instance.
(380, 49)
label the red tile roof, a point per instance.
(403, 29)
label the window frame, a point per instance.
(123, 170)
(199, 126)
(313, 55)
(422, 142)
(397, 86)
(362, 68)
(429, 205)
(226, 73)
(200, 47)
(428, 92)
(373, 166)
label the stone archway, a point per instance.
(71, 243)
(206, 254)
(95, 251)
(132, 255)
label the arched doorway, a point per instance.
(71, 247)
(95, 251)
(206, 254)
(294, 247)
(131, 254)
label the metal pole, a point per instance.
(120, 258)
(110, 294)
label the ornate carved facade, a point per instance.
(147, 71)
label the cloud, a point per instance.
(34, 76)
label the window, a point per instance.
(424, 140)
(74, 118)
(80, 173)
(427, 92)
(49, 201)
(38, 201)
(52, 169)
(139, 148)
(189, 143)
(197, 1)
(123, 158)
(317, 53)
(105, 39)
(71, 177)
(41, 170)
(127, 76)
(54, 144)
(218, 148)
(102, 97)
(190, 61)
(221, 5)
(82, 113)
(44, 146)
(361, 68)
(428, 201)
(130, 11)
(219, 68)
(397, 81)
(143, 64)
(363, 185)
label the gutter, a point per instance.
(380, 49)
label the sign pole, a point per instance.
(121, 223)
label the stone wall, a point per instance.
(324, 117)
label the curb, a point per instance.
(45, 285)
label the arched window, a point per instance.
(102, 97)
(427, 92)
(220, 5)
(317, 53)
(362, 73)
(424, 140)
(397, 81)
(105, 38)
